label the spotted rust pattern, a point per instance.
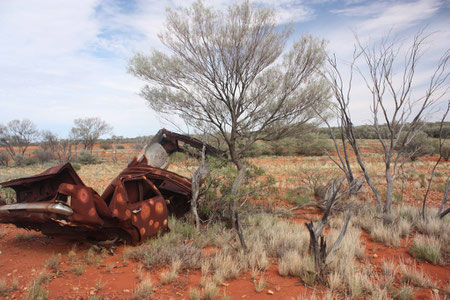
(135, 206)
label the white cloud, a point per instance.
(62, 60)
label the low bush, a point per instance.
(22, 161)
(87, 158)
(43, 155)
(106, 146)
(313, 145)
(445, 152)
(76, 166)
(420, 145)
(120, 146)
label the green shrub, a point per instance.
(313, 145)
(43, 155)
(105, 146)
(419, 146)
(120, 146)
(76, 166)
(445, 151)
(21, 161)
(259, 148)
(87, 158)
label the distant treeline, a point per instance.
(431, 129)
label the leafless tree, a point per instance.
(17, 136)
(227, 72)
(317, 243)
(442, 139)
(388, 71)
(340, 108)
(89, 130)
(49, 140)
(394, 102)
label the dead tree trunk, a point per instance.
(317, 243)
(442, 211)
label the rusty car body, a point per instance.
(133, 207)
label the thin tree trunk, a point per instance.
(234, 215)
(197, 180)
(367, 176)
(442, 212)
(429, 186)
(389, 187)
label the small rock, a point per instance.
(75, 288)
(243, 296)
(277, 288)
(225, 284)
(270, 292)
(375, 255)
(0, 251)
(92, 292)
(9, 274)
(126, 291)
(435, 291)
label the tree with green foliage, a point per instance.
(228, 72)
(17, 135)
(89, 130)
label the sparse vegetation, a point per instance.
(37, 291)
(426, 248)
(143, 290)
(194, 294)
(210, 291)
(6, 288)
(53, 263)
(77, 270)
(87, 158)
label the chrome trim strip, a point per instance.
(57, 208)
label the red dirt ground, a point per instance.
(24, 259)
(114, 278)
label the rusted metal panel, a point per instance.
(134, 206)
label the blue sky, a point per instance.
(61, 60)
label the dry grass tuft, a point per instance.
(336, 282)
(412, 276)
(426, 248)
(5, 289)
(172, 275)
(260, 284)
(72, 255)
(194, 294)
(77, 270)
(405, 293)
(36, 291)
(143, 290)
(53, 263)
(210, 291)
(385, 234)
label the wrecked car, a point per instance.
(133, 207)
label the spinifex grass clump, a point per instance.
(426, 248)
